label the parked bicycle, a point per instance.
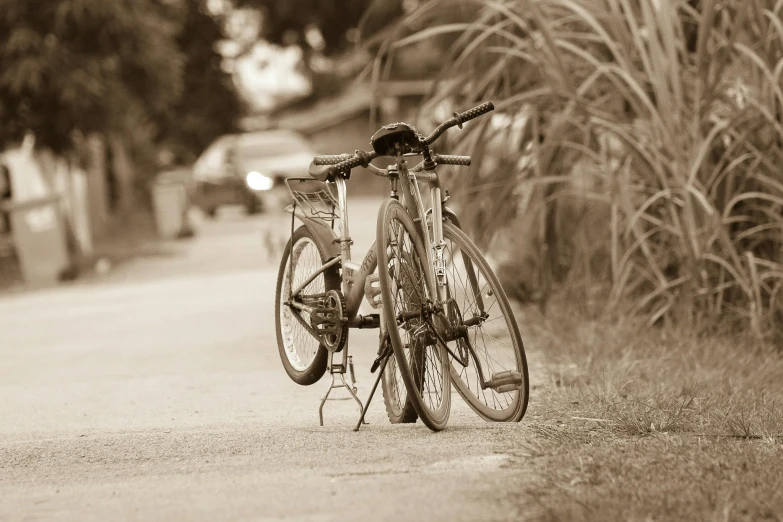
(443, 316)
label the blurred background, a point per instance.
(633, 160)
(627, 190)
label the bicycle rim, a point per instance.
(299, 346)
(395, 396)
(492, 375)
(406, 287)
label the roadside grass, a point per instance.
(639, 424)
(661, 477)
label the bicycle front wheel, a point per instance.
(395, 396)
(407, 290)
(488, 363)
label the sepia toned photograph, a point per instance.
(391, 260)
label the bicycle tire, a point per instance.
(399, 408)
(293, 340)
(421, 364)
(478, 275)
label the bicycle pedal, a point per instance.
(372, 290)
(503, 382)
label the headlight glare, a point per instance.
(257, 181)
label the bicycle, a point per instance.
(434, 291)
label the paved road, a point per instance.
(157, 394)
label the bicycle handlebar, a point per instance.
(358, 159)
(331, 159)
(346, 162)
(459, 119)
(447, 159)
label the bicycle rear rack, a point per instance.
(314, 198)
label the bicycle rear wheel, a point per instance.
(490, 370)
(406, 289)
(303, 355)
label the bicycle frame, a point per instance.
(413, 201)
(354, 276)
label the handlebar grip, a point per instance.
(331, 159)
(354, 160)
(476, 111)
(447, 159)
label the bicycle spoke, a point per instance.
(408, 309)
(299, 344)
(490, 343)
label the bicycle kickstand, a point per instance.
(340, 369)
(380, 365)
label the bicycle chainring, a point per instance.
(329, 321)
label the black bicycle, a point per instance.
(443, 316)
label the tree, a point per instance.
(71, 66)
(132, 74)
(288, 21)
(209, 105)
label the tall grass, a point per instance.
(651, 161)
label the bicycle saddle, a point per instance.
(401, 134)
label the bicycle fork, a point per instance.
(435, 243)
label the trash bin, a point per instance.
(39, 239)
(170, 204)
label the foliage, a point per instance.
(652, 146)
(287, 21)
(71, 65)
(209, 105)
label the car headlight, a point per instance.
(257, 181)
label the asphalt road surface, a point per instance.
(157, 393)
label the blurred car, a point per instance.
(245, 168)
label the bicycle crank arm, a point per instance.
(426, 310)
(476, 320)
(315, 311)
(305, 325)
(404, 317)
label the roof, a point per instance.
(266, 137)
(328, 112)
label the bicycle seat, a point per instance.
(319, 172)
(401, 134)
